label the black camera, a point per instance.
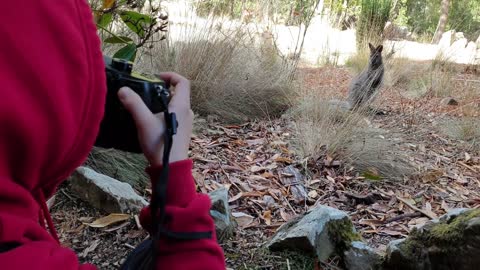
(117, 129)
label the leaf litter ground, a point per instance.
(251, 160)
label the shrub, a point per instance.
(374, 14)
(231, 76)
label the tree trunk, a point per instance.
(442, 22)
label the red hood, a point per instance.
(52, 96)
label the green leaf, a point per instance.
(127, 53)
(372, 176)
(118, 39)
(137, 22)
(105, 20)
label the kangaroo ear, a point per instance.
(380, 48)
(372, 49)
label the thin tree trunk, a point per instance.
(442, 22)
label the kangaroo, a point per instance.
(364, 87)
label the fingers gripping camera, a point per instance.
(117, 129)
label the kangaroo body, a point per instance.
(364, 87)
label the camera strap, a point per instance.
(145, 255)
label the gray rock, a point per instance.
(220, 213)
(104, 192)
(478, 41)
(453, 213)
(361, 257)
(458, 36)
(323, 231)
(448, 101)
(450, 242)
(459, 45)
(447, 39)
(395, 32)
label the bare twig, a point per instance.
(404, 216)
(416, 208)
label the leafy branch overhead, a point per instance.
(140, 28)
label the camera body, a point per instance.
(118, 129)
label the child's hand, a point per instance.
(151, 127)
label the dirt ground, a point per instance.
(249, 159)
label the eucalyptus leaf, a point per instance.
(118, 39)
(105, 20)
(137, 22)
(127, 53)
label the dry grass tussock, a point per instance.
(324, 127)
(419, 79)
(232, 75)
(466, 129)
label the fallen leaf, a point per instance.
(118, 227)
(257, 178)
(410, 201)
(380, 207)
(313, 194)
(370, 231)
(285, 216)
(372, 174)
(236, 197)
(268, 201)
(271, 167)
(108, 220)
(258, 187)
(391, 233)
(331, 179)
(278, 143)
(461, 181)
(242, 219)
(418, 221)
(467, 157)
(108, 4)
(428, 209)
(284, 160)
(267, 175)
(256, 168)
(239, 142)
(371, 222)
(267, 216)
(255, 142)
(314, 181)
(445, 206)
(89, 249)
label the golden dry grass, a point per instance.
(234, 75)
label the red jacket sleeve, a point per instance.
(188, 211)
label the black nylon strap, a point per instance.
(145, 255)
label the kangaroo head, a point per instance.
(375, 56)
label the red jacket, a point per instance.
(52, 93)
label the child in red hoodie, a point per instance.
(52, 96)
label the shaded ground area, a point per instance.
(249, 159)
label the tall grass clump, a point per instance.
(374, 14)
(435, 79)
(323, 127)
(234, 73)
(326, 129)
